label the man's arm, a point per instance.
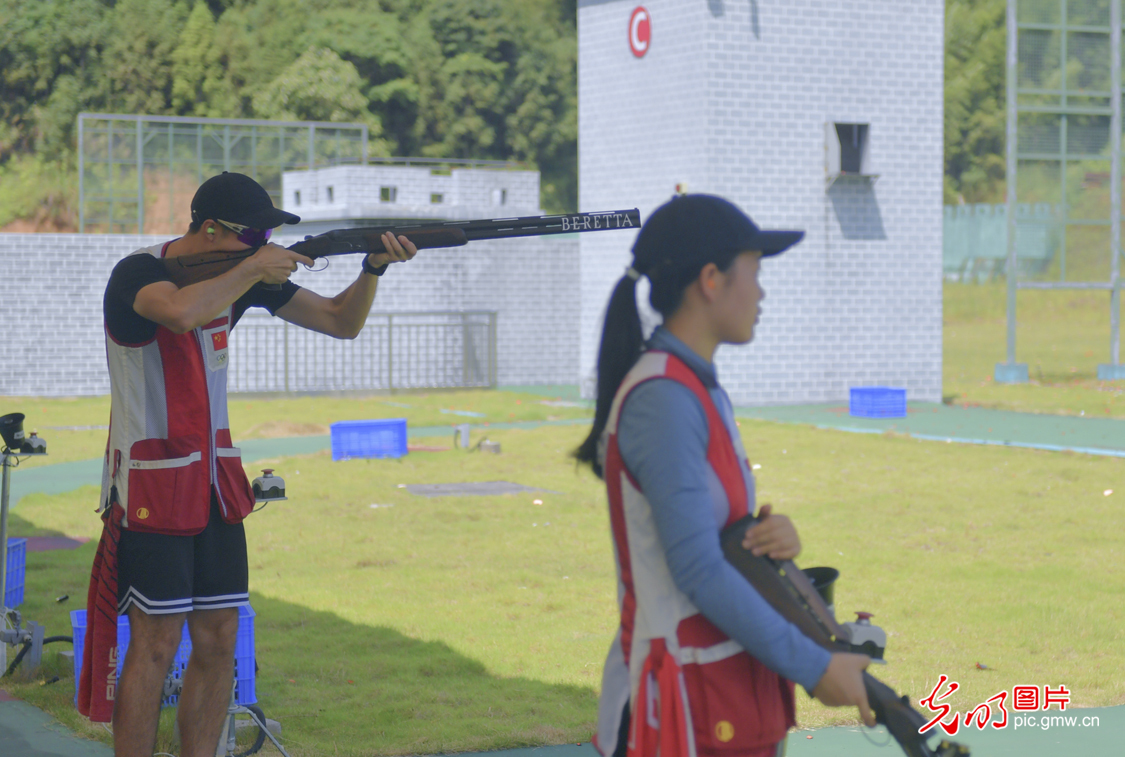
(344, 315)
(181, 310)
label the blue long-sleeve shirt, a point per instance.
(662, 435)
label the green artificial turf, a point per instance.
(473, 623)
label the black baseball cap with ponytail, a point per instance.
(674, 244)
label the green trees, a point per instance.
(488, 79)
(975, 116)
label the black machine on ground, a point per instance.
(14, 444)
(789, 591)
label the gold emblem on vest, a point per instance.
(724, 731)
(142, 513)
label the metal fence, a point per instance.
(1064, 136)
(975, 240)
(137, 174)
(427, 350)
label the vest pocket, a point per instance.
(169, 486)
(737, 705)
(234, 488)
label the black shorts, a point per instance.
(163, 574)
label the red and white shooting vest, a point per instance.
(169, 438)
(694, 691)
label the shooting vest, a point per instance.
(693, 691)
(169, 447)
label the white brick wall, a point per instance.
(732, 98)
(52, 286)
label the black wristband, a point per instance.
(368, 268)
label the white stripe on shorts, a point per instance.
(152, 606)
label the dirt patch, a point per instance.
(281, 429)
(42, 223)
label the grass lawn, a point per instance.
(1061, 335)
(74, 427)
(481, 623)
(452, 624)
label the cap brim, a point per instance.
(269, 218)
(775, 242)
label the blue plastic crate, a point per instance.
(376, 438)
(877, 402)
(17, 561)
(244, 691)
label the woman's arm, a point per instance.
(663, 440)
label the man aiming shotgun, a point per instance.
(174, 493)
(173, 490)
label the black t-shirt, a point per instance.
(135, 272)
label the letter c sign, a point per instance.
(640, 31)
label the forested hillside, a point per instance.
(485, 79)
(975, 46)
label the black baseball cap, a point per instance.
(237, 198)
(691, 227)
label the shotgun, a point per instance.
(791, 593)
(189, 269)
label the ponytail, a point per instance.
(621, 345)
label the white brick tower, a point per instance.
(821, 115)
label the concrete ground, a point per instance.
(26, 731)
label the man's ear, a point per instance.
(211, 230)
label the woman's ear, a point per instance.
(709, 281)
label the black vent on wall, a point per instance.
(853, 142)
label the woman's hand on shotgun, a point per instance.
(774, 535)
(842, 684)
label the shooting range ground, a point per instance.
(480, 623)
(469, 624)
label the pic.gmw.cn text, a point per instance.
(1024, 699)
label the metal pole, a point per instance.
(466, 347)
(390, 353)
(171, 182)
(1010, 372)
(1011, 179)
(140, 178)
(364, 137)
(1115, 184)
(81, 182)
(109, 175)
(4, 490)
(492, 381)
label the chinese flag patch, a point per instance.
(219, 340)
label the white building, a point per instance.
(821, 115)
(349, 196)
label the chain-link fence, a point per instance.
(137, 174)
(428, 350)
(1064, 153)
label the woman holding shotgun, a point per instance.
(705, 663)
